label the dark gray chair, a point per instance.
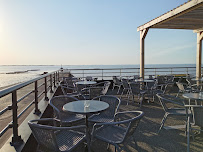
(197, 115)
(56, 139)
(116, 83)
(120, 131)
(137, 91)
(172, 106)
(109, 114)
(66, 118)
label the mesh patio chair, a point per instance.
(66, 118)
(183, 88)
(197, 113)
(119, 132)
(172, 106)
(116, 83)
(89, 78)
(91, 92)
(105, 86)
(56, 139)
(136, 90)
(68, 90)
(126, 88)
(109, 114)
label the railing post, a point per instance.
(155, 72)
(120, 73)
(171, 71)
(83, 75)
(37, 111)
(51, 90)
(187, 71)
(58, 77)
(102, 74)
(55, 77)
(16, 140)
(45, 89)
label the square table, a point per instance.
(86, 107)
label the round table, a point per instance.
(194, 96)
(79, 106)
(86, 107)
(86, 82)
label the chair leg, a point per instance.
(162, 122)
(188, 134)
(118, 89)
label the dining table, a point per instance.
(86, 107)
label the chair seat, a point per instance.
(67, 140)
(178, 111)
(100, 118)
(111, 134)
(71, 118)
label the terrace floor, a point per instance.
(146, 133)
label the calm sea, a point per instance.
(18, 73)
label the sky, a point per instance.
(89, 32)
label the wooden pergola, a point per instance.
(188, 16)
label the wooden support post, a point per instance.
(143, 34)
(199, 54)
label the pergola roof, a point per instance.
(187, 16)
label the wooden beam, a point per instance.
(185, 8)
(142, 39)
(199, 55)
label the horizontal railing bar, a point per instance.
(26, 109)
(21, 85)
(5, 129)
(129, 68)
(40, 94)
(40, 85)
(4, 110)
(25, 96)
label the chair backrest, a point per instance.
(66, 90)
(95, 92)
(180, 86)
(47, 135)
(135, 88)
(106, 87)
(89, 78)
(125, 84)
(44, 135)
(198, 115)
(133, 122)
(164, 99)
(160, 80)
(114, 103)
(69, 82)
(58, 102)
(116, 80)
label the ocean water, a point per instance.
(12, 74)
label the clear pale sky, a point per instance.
(82, 32)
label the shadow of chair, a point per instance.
(172, 106)
(197, 115)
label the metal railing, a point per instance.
(50, 78)
(127, 72)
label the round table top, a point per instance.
(86, 82)
(144, 80)
(195, 79)
(195, 96)
(79, 106)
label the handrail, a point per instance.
(21, 85)
(53, 78)
(122, 72)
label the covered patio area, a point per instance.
(188, 16)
